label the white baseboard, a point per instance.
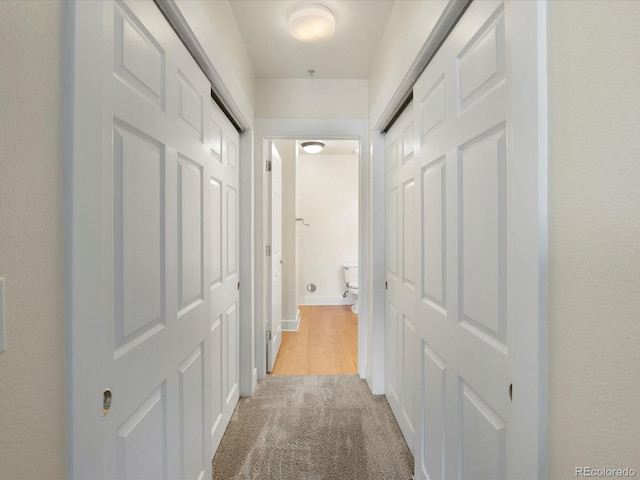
(313, 300)
(291, 325)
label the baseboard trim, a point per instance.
(291, 325)
(310, 300)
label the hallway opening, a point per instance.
(314, 286)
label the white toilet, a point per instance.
(351, 279)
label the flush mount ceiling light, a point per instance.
(312, 147)
(312, 23)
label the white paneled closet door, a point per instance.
(166, 202)
(461, 108)
(401, 260)
(462, 231)
(223, 204)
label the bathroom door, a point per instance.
(274, 327)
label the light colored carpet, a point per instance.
(313, 427)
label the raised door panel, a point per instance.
(432, 109)
(434, 245)
(409, 256)
(232, 232)
(408, 143)
(482, 203)
(392, 232)
(391, 357)
(192, 424)
(190, 234)
(391, 154)
(481, 63)
(409, 374)
(214, 136)
(482, 443)
(139, 247)
(231, 361)
(139, 59)
(216, 379)
(433, 426)
(141, 440)
(232, 153)
(215, 234)
(190, 107)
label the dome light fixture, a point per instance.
(312, 23)
(312, 147)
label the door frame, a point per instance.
(83, 125)
(276, 128)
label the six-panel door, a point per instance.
(448, 183)
(170, 255)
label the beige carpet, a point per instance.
(313, 427)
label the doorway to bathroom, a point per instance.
(319, 220)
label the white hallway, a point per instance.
(593, 217)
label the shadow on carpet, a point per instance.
(313, 427)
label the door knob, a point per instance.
(282, 260)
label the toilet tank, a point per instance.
(350, 273)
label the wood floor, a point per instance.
(326, 343)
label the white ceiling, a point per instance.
(274, 53)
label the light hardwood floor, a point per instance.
(326, 343)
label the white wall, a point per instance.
(594, 232)
(311, 98)
(409, 26)
(327, 198)
(215, 27)
(33, 441)
(236, 59)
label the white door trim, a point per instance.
(529, 130)
(271, 128)
(82, 139)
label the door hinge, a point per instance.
(238, 285)
(386, 285)
(268, 165)
(268, 335)
(268, 250)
